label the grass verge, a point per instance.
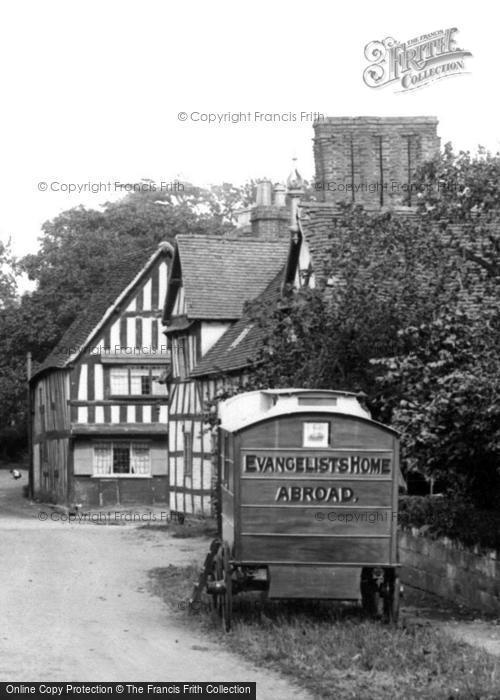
(334, 652)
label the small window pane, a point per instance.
(119, 381)
(121, 460)
(140, 463)
(102, 459)
(139, 380)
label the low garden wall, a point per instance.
(464, 574)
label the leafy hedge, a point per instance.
(448, 517)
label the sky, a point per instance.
(91, 92)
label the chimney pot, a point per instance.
(279, 195)
(264, 193)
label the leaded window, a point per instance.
(141, 380)
(122, 458)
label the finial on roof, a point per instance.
(166, 246)
(294, 180)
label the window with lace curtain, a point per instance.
(115, 458)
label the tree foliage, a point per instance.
(444, 391)
(382, 273)
(7, 276)
(459, 187)
(12, 368)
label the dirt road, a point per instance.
(74, 605)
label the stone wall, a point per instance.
(270, 222)
(448, 569)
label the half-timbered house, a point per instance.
(364, 160)
(99, 401)
(210, 280)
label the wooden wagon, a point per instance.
(308, 496)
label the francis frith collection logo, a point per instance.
(414, 63)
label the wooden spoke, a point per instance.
(391, 597)
(227, 596)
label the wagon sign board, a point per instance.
(331, 464)
(313, 465)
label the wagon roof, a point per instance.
(254, 407)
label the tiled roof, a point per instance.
(318, 226)
(317, 222)
(320, 229)
(100, 301)
(220, 274)
(239, 345)
(472, 285)
(179, 323)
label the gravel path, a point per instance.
(75, 606)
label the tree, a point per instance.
(12, 369)
(459, 187)
(385, 273)
(411, 319)
(8, 286)
(444, 392)
(464, 189)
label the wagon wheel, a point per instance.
(206, 574)
(391, 596)
(216, 574)
(227, 596)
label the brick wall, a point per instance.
(270, 221)
(450, 570)
(371, 160)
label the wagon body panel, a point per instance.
(313, 515)
(326, 582)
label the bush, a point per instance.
(451, 517)
(444, 393)
(13, 442)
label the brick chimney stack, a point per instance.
(371, 160)
(269, 215)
